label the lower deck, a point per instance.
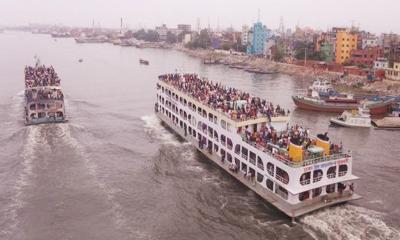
(289, 209)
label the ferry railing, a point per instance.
(290, 163)
(317, 179)
(237, 119)
(331, 175)
(282, 179)
(341, 174)
(305, 182)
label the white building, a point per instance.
(187, 38)
(245, 35)
(393, 73)
(381, 63)
(369, 42)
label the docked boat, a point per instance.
(340, 104)
(362, 118)
(249, 138)
(61, 35)
(259, 71)
(95, 39)
(144, 62)
(44, 99)
(321, 86)
(387, 123)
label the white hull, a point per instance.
(347, 124)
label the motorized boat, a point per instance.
(144, 62)
(362, 118)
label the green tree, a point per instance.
(171, 38)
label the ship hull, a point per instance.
(379, 108)
(290, 210)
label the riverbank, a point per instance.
(351, 83)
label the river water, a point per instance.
(114, 172)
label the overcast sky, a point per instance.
(381, 16)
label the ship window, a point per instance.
(223, 139)
(229, 157)
(316, 192)
(330, 188)
(283, 193)
(204, 113)
(317, 175)
(305, 178)
(210, 117)
(342, 170)
(252, 158)
(210, 131)
(282, 175)
(304, 196)
(216, 135)
(260, 177)
(223, 124)
(229, 143)
(270, 169)
(216, 147)
(244, 167)
(331, 172)
(194, 133)
(32, 106)
(199, 110)
(237, 149)
(270, 184)
(244, 153)
(260, 163)
(222, 154)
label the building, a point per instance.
(369, 42)
(186, 28)
(345, 43)
(393, 73)
(366, 57)
(326, 48)
(245, 35)
(162, 32)
(381, 63)
(259, 35)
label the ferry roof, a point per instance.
(237, 107)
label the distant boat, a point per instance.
(80, 60)
(144, 62)
(259, 71)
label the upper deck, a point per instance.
(293, 146)
(235, 106)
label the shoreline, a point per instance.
(352, 83)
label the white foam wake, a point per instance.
(154, 129)
(34, 142)
(349, 222)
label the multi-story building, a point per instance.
(327, 51)
(381, 63)
(245, 35)
(366, 56)
(162, 32)
(369, 42)
(393, 73)
(187, 28)
(259, 33)
(345, 43)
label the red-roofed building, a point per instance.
(366, 56)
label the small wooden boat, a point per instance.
(144, 62)
(80, 60)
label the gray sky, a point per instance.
(382, 16)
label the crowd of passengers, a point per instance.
(296, 134)
(237, 104)
(44, 94)
(40, 76)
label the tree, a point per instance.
(149, 36)
(171, 38)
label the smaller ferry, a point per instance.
(362, 118)
(144, 62)
(321, 86)
(44, 99)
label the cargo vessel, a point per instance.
(250, 139)
(44, 98)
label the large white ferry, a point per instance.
(44, 99)
(249, 138)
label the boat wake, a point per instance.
(35, 142)
(348, 222)
(154, 129)
(120, 219)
